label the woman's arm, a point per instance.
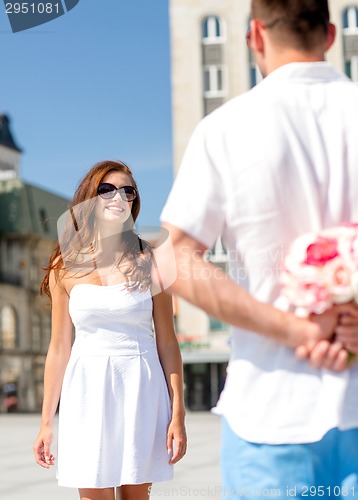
(56, 361)
(170, 358)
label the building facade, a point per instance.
(211, 64)
(28, 232)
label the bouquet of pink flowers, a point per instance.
(321, 269)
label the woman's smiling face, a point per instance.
(114, 209)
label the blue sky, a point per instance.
(93, 84)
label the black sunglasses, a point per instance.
(108, 191)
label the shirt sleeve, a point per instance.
(196, 203)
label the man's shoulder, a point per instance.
(237, 107)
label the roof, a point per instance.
(6, 138)
(28, 210)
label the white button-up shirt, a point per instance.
(269, 165)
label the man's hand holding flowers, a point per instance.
(339, 351)
(320, 280)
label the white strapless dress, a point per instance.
(115, 405)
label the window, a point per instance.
(8, 328)
(214, 81)
(10, 264)
(34, 270)
(212, 29)
(213, 58)
(36, 332)
(350, 41)
(350, 18)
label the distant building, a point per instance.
(9, 151)
(211, 64)
(28, 232)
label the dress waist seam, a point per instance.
(111, 352)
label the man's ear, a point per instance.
(257, 42)
(331, 36)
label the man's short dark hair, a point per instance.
(303, 22)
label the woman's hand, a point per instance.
(42, 446)
(176, 435)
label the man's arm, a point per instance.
(209, 288)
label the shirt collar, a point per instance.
(309, 72)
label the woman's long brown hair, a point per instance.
(79, 232)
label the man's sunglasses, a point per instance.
(108, 191)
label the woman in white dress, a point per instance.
(120, 385)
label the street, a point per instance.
(197, 475)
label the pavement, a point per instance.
(197, 475)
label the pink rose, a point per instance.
(322, 251)
(322, 269)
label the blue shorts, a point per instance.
(327, 469)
